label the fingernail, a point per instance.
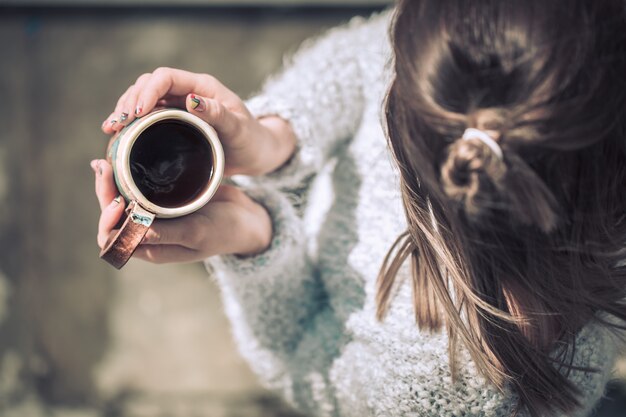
(99, 164)
(138, 110)
(113, 122)
(197, 103)
(117, 199)
(123, 117)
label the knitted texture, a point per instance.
(303, 312)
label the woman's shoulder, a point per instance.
(368, 25)
(373, 24)
(596, 347)
(358, 34)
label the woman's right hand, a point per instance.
(251, 146)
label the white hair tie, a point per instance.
(472, 133)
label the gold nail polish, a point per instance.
(196, 103)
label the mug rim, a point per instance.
(137, 128)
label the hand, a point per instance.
(251, 146)
(231, 223)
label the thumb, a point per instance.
(110, 216)
(214, 113)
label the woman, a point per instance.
(506, 125)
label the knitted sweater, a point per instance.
(303, 312)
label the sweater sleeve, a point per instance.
(596, 348)
(596, 354)
(271, 299)
(320, 92)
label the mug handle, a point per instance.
(121, 247)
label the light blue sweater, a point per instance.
(303, 312)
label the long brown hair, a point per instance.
(512, 255)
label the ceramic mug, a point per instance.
(166, 164)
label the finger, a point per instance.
(161, 254)
(106, 190)
(228, 193)
(186, 231)
(177, 82)
(121, 114)
(214, 113)
(107, 125)
(131, 107)
(125, 112)
(178, 102)
(110, 216)
(182, 232)
(165, 81)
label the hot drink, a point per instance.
(171, 163)
(166, 164)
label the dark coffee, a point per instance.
(171, 163)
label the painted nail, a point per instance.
(113, 122)
(123, 117)
(117, 199)
(197, 103)
(138, 110)
(99, 165)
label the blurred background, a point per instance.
(78, 338)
